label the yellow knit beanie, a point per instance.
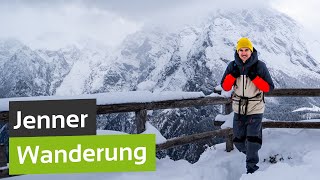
(244, 42)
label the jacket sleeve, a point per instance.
(228, 80)
(263, 81)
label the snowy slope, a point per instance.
(314, 49)
(28, 72)
(7, 49)
(76, 81)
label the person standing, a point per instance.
(250, 79)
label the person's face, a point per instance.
(244, 54)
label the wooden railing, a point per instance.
(141, 109)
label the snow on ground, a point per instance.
(227, 119)
(149, 130)
(285, 153)
(298, 150)
(112, 97)
(152, 130)
(309, 170)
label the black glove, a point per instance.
(235, 72)
(253, 73)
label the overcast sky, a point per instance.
(48, 23)
(305, 12)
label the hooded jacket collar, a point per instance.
(253, 59)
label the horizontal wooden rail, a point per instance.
(283, 124)
(134, 107)
(227, 132)
(311, 92)
(193, 138)
(169, 104)
(290, 92)
(203, 101)
(291, 124)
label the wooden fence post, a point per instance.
(228, 108)
(141, 119)
(3, 156)
(229, 141)
(229, 136)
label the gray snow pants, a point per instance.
(247, 130)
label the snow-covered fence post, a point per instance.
(3, 157)
(141, 119)
(229, 136)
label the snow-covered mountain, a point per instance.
(313, 48)
(27, 72)
(157, 59)
(190, 58)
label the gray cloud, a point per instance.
(47, 23)
(54, 25)
(138, 8)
